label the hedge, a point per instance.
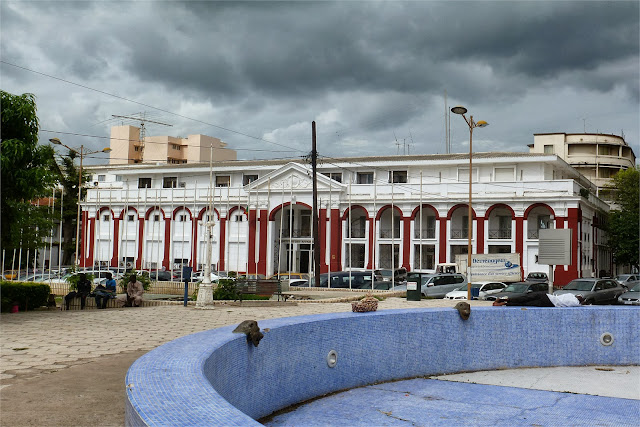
(27, 295)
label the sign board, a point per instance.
(412, 286)
(554, 246)
(493, 267)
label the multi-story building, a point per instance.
(597, 156)
(128, 148)
(374, 212)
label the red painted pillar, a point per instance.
(251, 259)
(322, 235)
(480, 239)
(443, 240)
(262, 250)
(91, 240)
(141, 242)
(372, 232)
(116, 236)
(167, 244)
(406, 243)
(194, 243)
(336, 241)
(223, 243)
(520, 240)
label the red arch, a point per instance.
(500, 205)
(130, 208)
(205, 209)
(272, 214)
(105, 208)
(384, 208)
(178, 209)
(345, 215)
(153, 208)
(458, 206)
(536, 205)
(416, 211)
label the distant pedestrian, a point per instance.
(539, 299)
(104, 293)
(133, 297)
(83, 289)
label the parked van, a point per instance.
(437, 285)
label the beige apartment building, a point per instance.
(128, 148)
(597, 156)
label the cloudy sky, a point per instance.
(371, 74)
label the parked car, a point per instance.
(594, 290)
(199, 277)
(162, 276)
(518, 289)
(632, 296)
(537, 277)
(289, 276)
(98, 275)
(299, 282)
(340, 279)
(484, 289)
(386, 274)
(437, 285)
(624, 279)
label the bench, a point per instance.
(74, 304)
(261, 287)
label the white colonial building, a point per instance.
(374, 212)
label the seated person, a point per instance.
(133, 297)
(540, 299)
(83, 289)
(104, 293)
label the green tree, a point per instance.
(67, 174)
(624, 219)
(26, 174)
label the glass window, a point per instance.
(130, 218)
(144, 182)
(504, 174)
(102, 178)
(548, 149)
(398, 177)
(246, 179)
(170, 182)
(365, 178)
(223, 181)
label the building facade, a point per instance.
(373, 212)
(597, 156)
(128, 147)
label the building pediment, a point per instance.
(293, 177)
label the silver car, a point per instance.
(594, 291)
(632, 296)
(437, 285)
(624, 279)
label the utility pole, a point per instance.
(316, 238)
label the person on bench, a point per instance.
(104, 293)
(83, 289)
(133, 297)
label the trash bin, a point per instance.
(414, 293)
(475, 293)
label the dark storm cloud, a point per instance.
(368, 72)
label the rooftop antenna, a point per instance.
(143, 119)
(447, 147)
(397, 143)
(409, 148)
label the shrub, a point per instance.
(73, 279)
(226, 290)
(28, 295)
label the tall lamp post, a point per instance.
(81, 152)
(480, 124)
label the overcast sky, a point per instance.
(257, 74)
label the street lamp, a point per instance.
(81, 152)
(480, 124)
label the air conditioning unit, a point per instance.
(129, 264)
(121, 264)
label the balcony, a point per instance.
(385, 233)
(501, 233)
(427, 233)
(303, 232)
(459, 233)
(358, 232)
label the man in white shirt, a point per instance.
(539, 299)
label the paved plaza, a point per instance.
(65, 357)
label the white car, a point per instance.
(200, 277)
(485, 288)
